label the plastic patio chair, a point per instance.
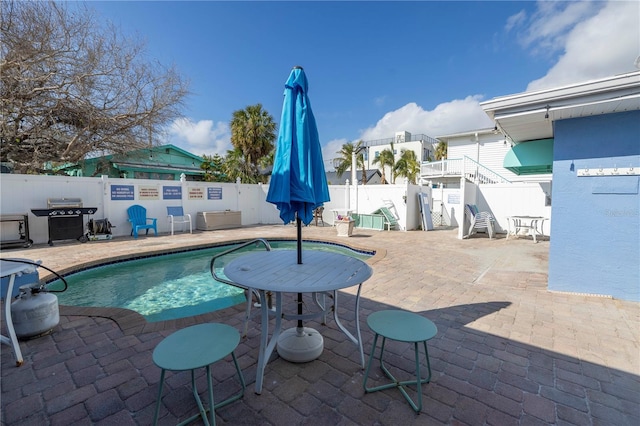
(176, 215)
(479, 220)
(390, 220)
(139, 220)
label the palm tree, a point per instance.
(344, 161)
(253, 133)
(441, 151)
(408, 165)
(384, 159)
(235, 166)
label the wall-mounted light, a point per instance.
(546, 115)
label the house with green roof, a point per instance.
(165, 162)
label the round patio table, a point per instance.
(277, 271)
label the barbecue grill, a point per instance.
(66, 218)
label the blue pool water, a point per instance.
(169, 286)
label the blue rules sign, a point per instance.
(214, 193)
(172, 193)
(122, 192)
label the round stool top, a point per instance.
(402, 326)
(196, 346)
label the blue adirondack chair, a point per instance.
(139, 220)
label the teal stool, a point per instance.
(402, 326)
(196, 347)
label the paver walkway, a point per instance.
(507, 350)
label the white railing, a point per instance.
(441, 168)
(471, 169)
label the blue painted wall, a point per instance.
(596, 230)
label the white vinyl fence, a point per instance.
(21, 193)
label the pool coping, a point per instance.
(131, 322)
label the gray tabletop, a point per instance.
(278, 270)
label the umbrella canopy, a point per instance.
(298, 182)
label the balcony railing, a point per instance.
(413, 138)
(467, 167)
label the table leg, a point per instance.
(357, 340)
(534, 226)
(267, 345)
(12, 339)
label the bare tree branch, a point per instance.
(71, 88)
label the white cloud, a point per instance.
(552, 22)
(201, 137)
(450, 117)
(515, 20)
(596, 40)
(379, 101)
(590, 40)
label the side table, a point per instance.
(196, 347)
(402, 326)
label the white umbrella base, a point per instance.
(300, 345)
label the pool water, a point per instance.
(169, 286)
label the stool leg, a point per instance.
(417, 408)
(366, 373)
(212, 411)
(155, 417)
(202, 411)
(426, 355)
(419, 381)
(244, 386)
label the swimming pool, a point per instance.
(168, 286)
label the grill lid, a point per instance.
(54, 203)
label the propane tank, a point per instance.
(34, 312)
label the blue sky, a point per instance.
(374, 68)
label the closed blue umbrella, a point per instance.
(298, 181)
(298, 186)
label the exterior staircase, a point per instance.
(467, 167)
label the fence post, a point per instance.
(347, 195)
(106, 199)
(460, 212)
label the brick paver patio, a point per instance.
(507, 351)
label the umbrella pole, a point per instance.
(299, 224)
(300, 344)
